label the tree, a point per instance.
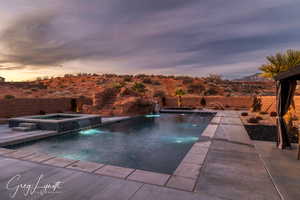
(280, 63)
(179, 93)
(275, 65)
(139, 87)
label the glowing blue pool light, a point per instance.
(185, 139)
(179, 140)
(151, 116)
(91, 132)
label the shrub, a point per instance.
(68, 75)
(141, 76)
(147, 81)
(252, 120)
(9, 96)
(273, 114)
(159, 93)
(127, 79)
(139, 87)
(256, 104)
(156, 83)
(118, 85)
(244, 114)
(203, 102)
(211, 91)
(195, 88)
(263, 113)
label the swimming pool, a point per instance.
(152, 142)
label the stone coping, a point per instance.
(183, 178)
(188, 111)
(38, 118)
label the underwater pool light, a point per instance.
(90, 132)
(179, 140)
(151, 116)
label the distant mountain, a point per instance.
(253, 77)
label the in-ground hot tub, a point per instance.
(59, 122)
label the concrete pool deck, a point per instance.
(223, 164)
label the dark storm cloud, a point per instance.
(154, 34)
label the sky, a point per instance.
(172, 37)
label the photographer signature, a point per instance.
(14, 186)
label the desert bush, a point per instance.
(139, 87)
(108, 75)
(159, 93)
(244, 114)
(118, 85)
(127, 79)
(229, 90)
(256, 104)
(273, 114)
(203, 102)
(263, 113)
(147, 81)
(252, 120)
(154, 82)
(68, 75)
(140, 76)
(82, 74)
(211, 91)
(128, 92)
(195, 88)
(8, 96)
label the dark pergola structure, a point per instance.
(286, 83)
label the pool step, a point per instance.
(25, 127)
(26, 124)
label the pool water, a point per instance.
(153, 142)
